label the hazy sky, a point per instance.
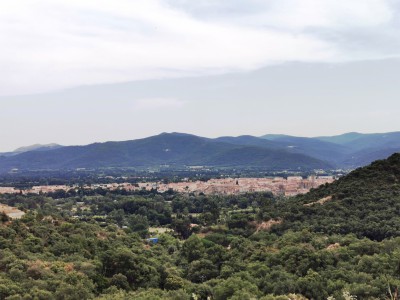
(80, 71)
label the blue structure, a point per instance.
(153, 240)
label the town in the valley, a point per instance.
(290, 186)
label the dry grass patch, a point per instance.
(320, 201)
(267, 225)
(333, 247)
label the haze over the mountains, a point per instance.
(296, 98)
(75, 72)
(270, 152)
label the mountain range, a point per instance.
(349, 150)
(36, 147)
(269, 152)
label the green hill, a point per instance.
(365, 202)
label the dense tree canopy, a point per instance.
(251, 246)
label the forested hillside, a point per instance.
(340, 240)
(366, 202)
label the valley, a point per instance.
(340, 239)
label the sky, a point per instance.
(82, 71)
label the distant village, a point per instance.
(290, 186)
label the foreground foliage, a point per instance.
(346, 247)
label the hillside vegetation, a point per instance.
(366, 202)
(340, 240)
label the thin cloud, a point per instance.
(49, 45)
(157, 104)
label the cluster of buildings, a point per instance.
(36, 189)
(290, 186)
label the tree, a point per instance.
(202, 270)
(193, 248)
(227, 288)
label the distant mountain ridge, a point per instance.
(324, 150)
(175, 149)
(349, 150)
(269, 152)
(342, 138)
(38, 147)
(35, 147)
